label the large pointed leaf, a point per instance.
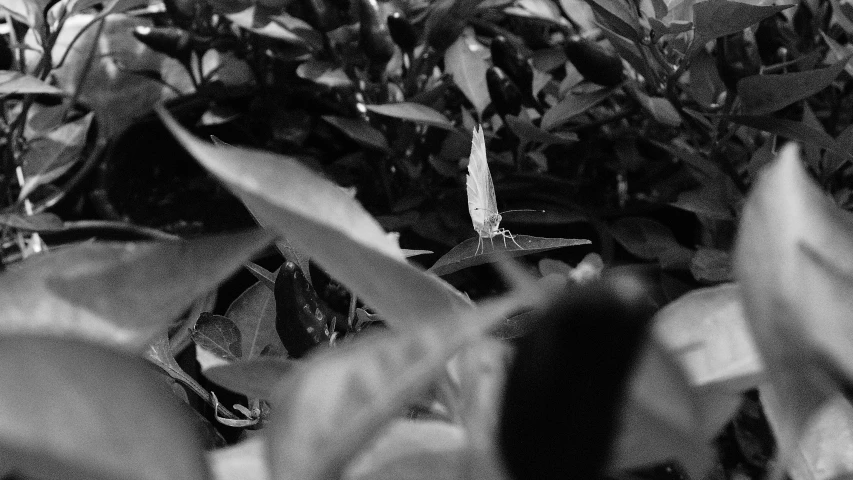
(716, 18)
(332, 405)
(791, 129)
(414, 112)
(707, 332)
(323, 221)
(253, 312)
(76, 410)
(360, 131)
(525, 130)
(16, 82)
(118, 293)
(466, 253)
(762, 94)
(244, 461)
(572, 105)
(414, 450)
(254, 378)
(465, 61)
(793, 259)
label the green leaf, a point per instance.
(833, 161)
(415, 450)
(526, 131)
(414, 112)
(49, 156)
(464, 256)
(618, 16)
(707, 332)
(328, 225)
(263, 275)
(360, 131)
(710, 265)
(791, 129)
(77, 410)
(664, 418)
(39, 222)
(122, 294)
(254, 378)
(793, 259)
(763, 94)
(219, 335)
(573, 105)
(253, 312)
(647, 239)
(243, 461)
(282, 27)
(465, 61)
(12, 82)
(717, 18)
(324, 73)
(331, 406)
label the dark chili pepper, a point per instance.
(506, 97)
(736, 59)
(6, 56)
(181, 11)
(172, 41)
(776, 40)
(375, 36)
(402, 32)
(565, 387)
(595, 63)
(507, 56)
(302, 321)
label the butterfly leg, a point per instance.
(506, 233)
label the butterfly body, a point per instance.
(482, 202)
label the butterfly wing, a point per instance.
(482, 203)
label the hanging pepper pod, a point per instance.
(181, 11)
(594, 62)
(172, 41)
(302, 321)
(506, 97)
(375, 37)
(507, 56)
(736, 59)
(402, 32)
(776, 40)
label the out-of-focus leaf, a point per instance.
(542, 9)
(253, 312)
(660, 109)
(324, 73)
(112, 87)
(12, 81)
(254, 378)
(464, 255)
(707, 332)
(331, 406)
(664, 418)
(244, 461)
(649, 240)
(705, 201)
(572, 105)
(832, 161)
(218, 335)
(711, 266)
(328, 225)
(49, 156)
(282, 27)
(77, 410)
(465, 61)
(360, 131)
(39, 222)
(525, 130)
(28, 12)
(118, 293)
(226, 68)
(716, 18)
(414, 450)
(705, 83)
(413, 112)
(823, 450)
(793, 259)
(763, 94)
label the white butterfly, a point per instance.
(482, 203)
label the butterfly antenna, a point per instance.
(521, 210)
